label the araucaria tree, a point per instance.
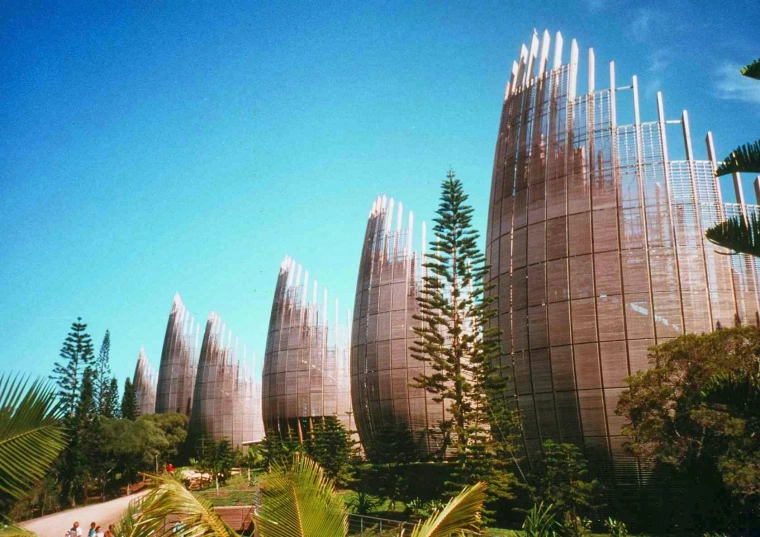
(75, 378)
(77, 355)
(562, 480)
(129, 409)
(461, 348)
(103, 376)
(111, 403)
(740, 234)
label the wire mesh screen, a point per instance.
(596, 246)
(144, 381)
(306, 364)
(225, 404)
(176, 373)
(382, 366)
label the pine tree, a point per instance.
(562, 479)
(461, 350)
(111, 407)
(329, 443)
(103, 375)
(78, 459)
(88, 425)
(129, 410)
(87, 408)
(77, 354)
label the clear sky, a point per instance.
(182, 146)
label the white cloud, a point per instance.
(660, 60)
(643, 23)
(731, 85)
(651, 87)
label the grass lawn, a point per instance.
(228, 497)
(235, 491)
(382, 510)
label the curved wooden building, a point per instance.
(144, 381)
(596, 246)
(176, 373)
(382, 366)
(226, 399)
(306, 365)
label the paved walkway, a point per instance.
(57, 524)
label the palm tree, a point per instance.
(31, 437)
(739, 234)
(298, 501)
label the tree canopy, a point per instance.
(694, 414)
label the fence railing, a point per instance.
(370, 526)
(358, 525)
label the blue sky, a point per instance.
(188, 147)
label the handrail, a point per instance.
(388, 520)
(370, 526)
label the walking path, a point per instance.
(57, 524)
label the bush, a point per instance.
(363, 503)
(541, 521)
(576, 526)
(616, 528)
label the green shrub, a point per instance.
(616, 528)
(576, 526)
(363, 503)
(541, 521)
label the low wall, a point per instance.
(237, 517)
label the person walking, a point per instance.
(75, 531)
(98, 532)
(92, 531)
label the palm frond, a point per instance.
(132, 523)
(752, 70)
(737, 234)
(12, 530)
(31, 433)
(300, 501)
(129, 524)
(170, 501)
(461, 516)
(745, 158)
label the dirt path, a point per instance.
(57, 524)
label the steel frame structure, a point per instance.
(597, 251)
(306, 363)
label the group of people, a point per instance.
(95, 531)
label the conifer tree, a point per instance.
(103, 375)
(77, 355)
(111, 407)
(129, 409)
(87, 408)
(461, 350)
(79, 457)
(87, 425)
(329, 443)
